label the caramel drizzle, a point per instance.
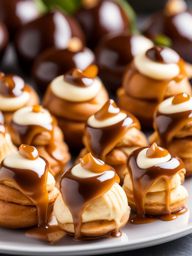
(168, 125)
(11, 85)
(143, 179)
(82, 78)
(28, 133)
(100, 141)
(78, 192)
(30, 183)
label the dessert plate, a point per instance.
(133, 237)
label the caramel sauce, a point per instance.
(82, 78)
(11, 85)
(28, 152)
(100, 141)
(109, 109)
(143, 179)
(36, 108)
(78, 192)
(162, 55)
(155, 152)
(180, 98)
(33, 184)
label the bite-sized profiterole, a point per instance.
(98, 207)
(34, 125)
(115, 52)
(15, 94)
(154, 75)
(173, 127)
(153, 183)
(111, 135)
(6, 145)
(27, 189)
(72, 98)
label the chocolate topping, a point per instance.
(11, 85)
(28, 152)
(180, 98)
(156, 152)
(78, 192)
(109, 109)
(162, 55)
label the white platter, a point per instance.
(133, 237)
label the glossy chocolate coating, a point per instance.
(55, 62)
(113, 54)
(52, 30)
(16, 13)
(105, 17)
(176, 27)
(4, 37)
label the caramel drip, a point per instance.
(11, 86)
(162, 55)
(168, 125)
(78, 192)
(33, 184)
(109, 109)
(143, 179)
(93, 164)
(180, 98)
(100, 141)
(82, 78)
(156, 152)
(28, 152)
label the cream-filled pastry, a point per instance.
(15, 94)
(27, 189)
(72, 98)
(111, 135)
(153, 183)
(34, 125)
(91, 202)
(153, 76)
(6, 145)
(173, 127)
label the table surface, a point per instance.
(179, 247)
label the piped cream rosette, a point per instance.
(173, 127)
(154, 180)
(24, 182)
(95, 212)
(154, 75)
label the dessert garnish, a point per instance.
(110, 109)
(180, 98)
(28, 152)
(11, 85)
(155, 152)
(162, 55)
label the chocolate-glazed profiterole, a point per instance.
(153, 184)
(111, 135)
(15, 13)
(72, 98)
(3, 39)
(173, 127)
(6, 145)
(35, 126)
(115, 52)
(173, 22)
(153, 76)
(96, 19)
(55, 62)
(91, 202)
(51, 30)
(15, 94)
(27, 189)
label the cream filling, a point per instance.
(73, 93)
(93, 122)
(11, 104)
(113, 205)
(155, 70)
(81, 172)
(140, 44)
(145, 162)
(25, 116)
(167, 107)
